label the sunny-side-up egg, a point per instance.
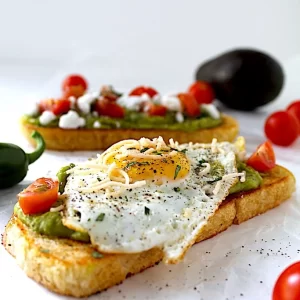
(143, 194)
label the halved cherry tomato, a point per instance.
(61, 106)
(287, 286)
(74, 85)
(140, 90)
(156, 109)
(108, 108)
(202, 91)
(294, 109)
(39, 196)
(263, 158)
(190, 105)
(46, 104)
(281, 128)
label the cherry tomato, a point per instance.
(202, 92)
(46, 104)
(294, 109)
(61, 106)
(74, 85)
(263, 158)
(287, 286)
(156, 110)
(190, 105)
(140, 90)
(39, 196)
(108, 108)
(281, 128)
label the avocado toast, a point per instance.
(46, 259)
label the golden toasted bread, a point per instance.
(95, 139)
(72, 268)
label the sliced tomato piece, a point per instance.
(61, 106)
(202, 91)
(74, 85)
(190, 105)
(39, 196)
(263, 158)
(105, 107)
(156, 109)
(46, 104)
(140, 90)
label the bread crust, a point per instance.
(97, 139)
(48, 262)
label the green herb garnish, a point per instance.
(98, 179)
(157, 152)
(177, 189)
(201, 162)
(96, 254)
(126, 198)
(144, 150)
(147, 210)
(100, 218)
(215, 180)
(177, 170)
(44, 250)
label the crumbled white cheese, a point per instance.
(179, 117)
(71, 120)
(157, 99)
(97, 124)
(132, 102)
(211, 110)
(145, 97)
(34, 110)
(84, 102)
(46, 117)
(171, 102)
(72, 99)
(95, 114)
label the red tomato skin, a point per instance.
(108, 108)
(61, 106)
(156, 110)
(281, 128)
(287, 286)
(140, 90)
(46, 104)
(74, 80)
(33, 201)
(294, 109)
(202, 91)
(190, 105)
(263, 158)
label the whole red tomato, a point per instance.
(294, 109)
(281, 128)
(287, 286)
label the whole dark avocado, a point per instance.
(243, 79)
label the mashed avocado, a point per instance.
(137, 120)
(50, 223)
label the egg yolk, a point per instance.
(171, 167)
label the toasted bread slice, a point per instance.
(95, 139)
(48, 260)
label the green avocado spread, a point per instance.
(134, 120)
(50, 223)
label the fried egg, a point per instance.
(142, 194)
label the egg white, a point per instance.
(169, 216)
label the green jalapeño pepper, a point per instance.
(62, 177)
(14, 161)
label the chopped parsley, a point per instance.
(147, 211)
(177, 170)
(177, 189)
(44, 250)
(144, 150)
(157, 152)
(182, 151)
(96, 254)
(126, 198)
(138, 163)
(132, 148)
(201, 162)
(100, 218)
(215, 180)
